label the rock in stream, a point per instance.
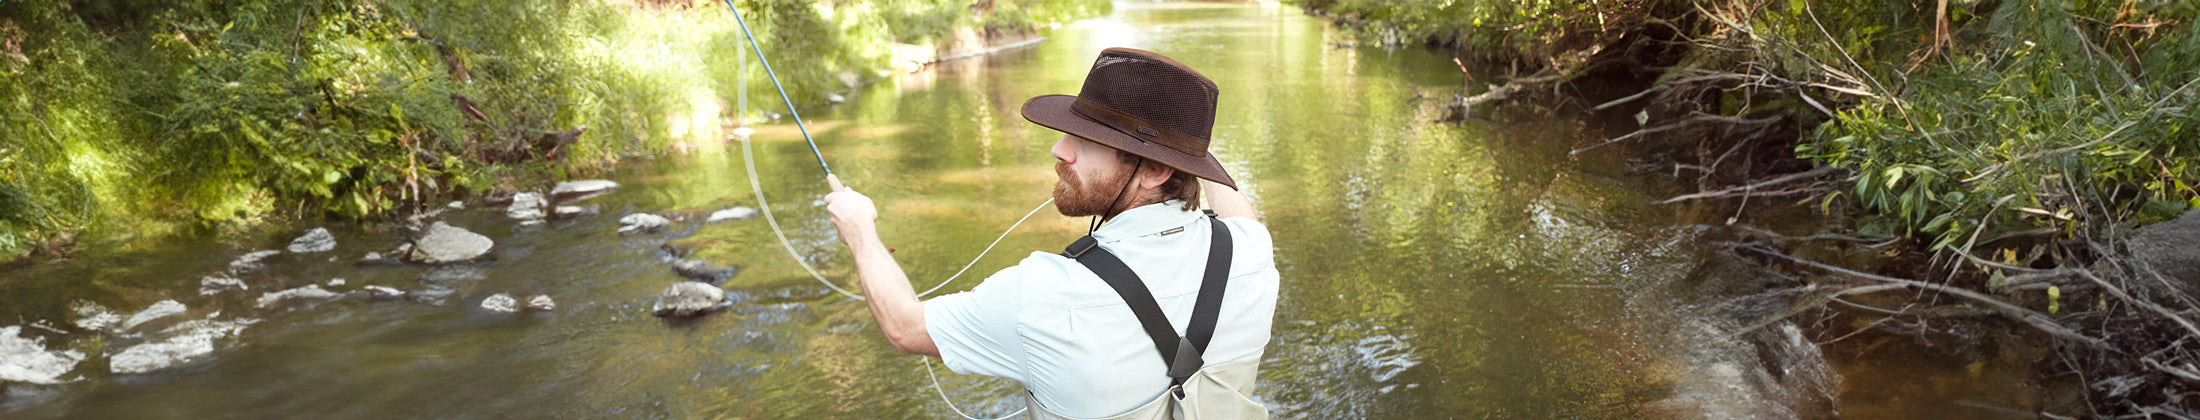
(314, 241)
(642, 223)
(575, 190)
(444, 244)
(180, 344)
(688, 299)
(27, 360)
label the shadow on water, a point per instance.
(1430, 270)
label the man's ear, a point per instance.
(1154, 175)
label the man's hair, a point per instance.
(1182, 186)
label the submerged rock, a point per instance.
(568, 212)
(736, 213)
(702, 271)
(687, 299)
(642, 223)
(210, 285)
(380, 292)
(162, 309)
(447, 244)
(575, 190)
(310, 291)
(27, 360)
(92, 317)
(541, 303)
(182, 344)
(316, 240)
(526, 205)
(500, 303)
(251, 261)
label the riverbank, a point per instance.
(2009, 165)
(150, 120)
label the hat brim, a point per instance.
(1053, 111)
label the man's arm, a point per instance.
(1226, 202)
(886, 288)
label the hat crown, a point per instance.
(1152, 88)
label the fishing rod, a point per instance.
(749, 159)
(783, 95)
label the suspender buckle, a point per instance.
(1078, 249)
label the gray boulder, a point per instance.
(316, 240)
(444, 244)
(688, 299)
(642, 223)
(2171, 248)
(702, 271)
(575, 190)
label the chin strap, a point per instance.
(1102, 218)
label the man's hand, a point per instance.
(853, 213)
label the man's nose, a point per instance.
(1065, 149)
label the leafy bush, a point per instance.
(2073, 114)
(224, 112)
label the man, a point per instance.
(1134, 155)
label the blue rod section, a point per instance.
(782, 89)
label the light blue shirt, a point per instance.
(1056, 327)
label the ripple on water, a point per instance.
(1337, 371)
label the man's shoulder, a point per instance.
(1251, 241)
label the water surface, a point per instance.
(1430, 270)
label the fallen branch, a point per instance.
(1699, 119)
(1752, 187)
(2027, 316)
(1466, 105)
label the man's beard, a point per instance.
(1078, 197)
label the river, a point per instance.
(1430, 270)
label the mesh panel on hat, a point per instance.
(1166, 95)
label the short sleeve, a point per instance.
(976, 330)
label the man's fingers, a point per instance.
(834, 181)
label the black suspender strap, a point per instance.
(1181, 354)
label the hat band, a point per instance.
(1139, 129)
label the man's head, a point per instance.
(1138, 134)
(1097, 180)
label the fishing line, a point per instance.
(748, 158)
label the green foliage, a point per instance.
(1533, 28)
(226, 112)
(2078, 114)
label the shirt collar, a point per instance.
(1146, 220)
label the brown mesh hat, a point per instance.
(1143, 103)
